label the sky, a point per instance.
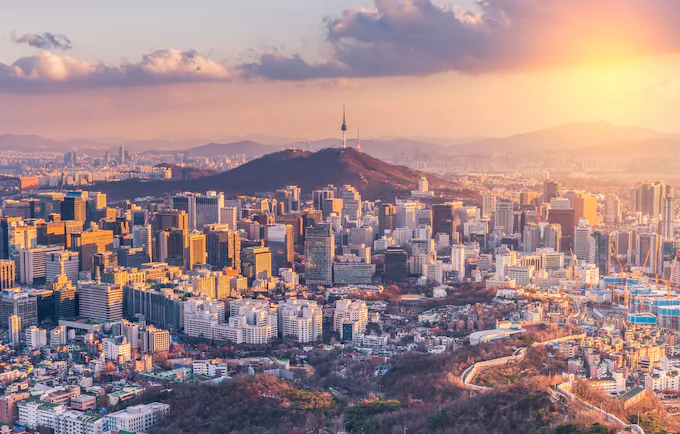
(413, 68)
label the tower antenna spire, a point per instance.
(344, 129)
(358, 140)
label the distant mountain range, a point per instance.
(561, 138)
(373, 178)
(579, 135)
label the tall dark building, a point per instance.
(551, 189)
(18, 303)
(601, 241)
(566, 218)
(74, 207)
(224, 248)
(396, 264)
(168, 219)
(443, 220)
(386, 218)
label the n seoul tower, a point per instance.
(344, 129)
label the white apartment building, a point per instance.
(352, 313)
(138, 418)
(301, 320)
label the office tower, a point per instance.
(196, 250)
(74, 206)
(280, 240)
(551, 189)
(14, 325)
(351, 202)
(63, 295)
(582, 242)
(229, 217)
(121, 155)
(504, 217)
(186, 202)
(567, 220)
(600, 251)
(33, 264)
(667, 223)
(531, 237)
(16, 302)
(208, 208)
(488, 205)
(648, 252)
(169, 219)
(103, 261)
(223, 248)
(406, 215)
(396, 264)
(585, 207)
(132, 257)
(624, 242)
(443, 218)
(649, 198)
(612, 210)
(100, 301)
(458, 260)
(386, 218)
(319, 196)
(89, 243)
(142, 237)
(319, 254)
(256, 262)
(7, 274)
(552, 237)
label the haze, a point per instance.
(158, 69)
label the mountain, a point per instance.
(186, 172)
(246, 147)
(375, 179)
(561, 138)
(385, 149)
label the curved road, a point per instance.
(472, 371)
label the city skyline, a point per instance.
(416, 68)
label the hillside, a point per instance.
(561, 138)
(375, 179)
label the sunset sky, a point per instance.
(224, 68)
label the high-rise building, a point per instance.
(443, 220)
(600, 251)
(488, 205)
(169, 219)
(551, 189)
(585, 207)
(320, 196)
(14, 325)
(649, 198)
(196, 250)
(63, 295)
(319, 254)
(528, 198)
(229, 217)
(458, 260)
(142, 237)
(396, 264)
(223, 248)
(566, 218)
(101, 301)
(256, 262)
(7, 274)
(582, 242)
(122, 155)
(612, 210)
(386, 218)
(33, 264)
(504, 217)
(648, 252)
(351, 202)
(74, 206)
(89, 243)
(16, 302)
(280, 240)
(171, 246)
(667, 223)
(406, 215)
(531, 237)
(552, 237)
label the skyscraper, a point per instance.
(551, 189)
(386, 218)
(585, 207)
(256, 262)
(667, 223)
(488, 205)
(319, 254)
(600, 251)
(223, 248)
(612, 210)
(7, 273)
(101, 301)
(582, 242)
(74, 206)
(531, 237)
(648, 252)
(196, 250)
(443, 218)
(504, 217)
